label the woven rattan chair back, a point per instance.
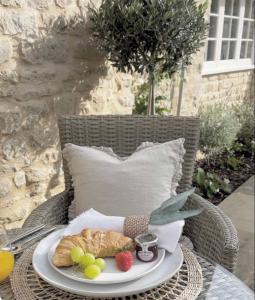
(125, 133)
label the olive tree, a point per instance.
(149, 36)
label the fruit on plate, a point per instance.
(86, 260)
(76, 254)
(101, 243)
(100, 262)
(92, 271)
(124, 260)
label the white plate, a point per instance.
(111, 274)
(164, 272)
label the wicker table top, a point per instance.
(219, 284)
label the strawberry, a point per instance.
(124, 260)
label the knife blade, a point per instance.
(27, 233)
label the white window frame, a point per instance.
(229, 65)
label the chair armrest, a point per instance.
(52, 211)
(212, 233)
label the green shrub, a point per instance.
(219, 128)
(209, 184)
(141, 102)
(245, 137)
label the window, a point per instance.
(230, 44)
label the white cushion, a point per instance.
(137, 184)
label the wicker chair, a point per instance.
(212, 233)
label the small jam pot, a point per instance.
(146, 247)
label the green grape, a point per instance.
(76, 254)
(92, 271)
(100, 262)
(86, 260)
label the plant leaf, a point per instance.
(200, 176)
(175, 203)
(159, 219)
(226, 188)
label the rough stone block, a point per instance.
(37, 200)
(10, 118)
(9, 76)
(126, 97)
(34, 114)
(49, 48)
(16, 148)
(35, 92)
(50, 156)
(12, 3)
(10, 122)
(14, 22)
(6, 91)
(226, 84)
(63, 3)
(45, 73)
(37, 188)
(44, 134)
(13, 213)
(19, 178)
(69, 21)
(85, 49)
(5, 170)
(83, 4)
(5, 50)
(37, 175)
(5, 187)
(64, 104)
(39, 4)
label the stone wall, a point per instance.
(207, 89)
(49, 66)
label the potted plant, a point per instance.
(149, 36)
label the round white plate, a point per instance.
(164, 272)
(111, 274)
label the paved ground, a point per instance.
(239, 206)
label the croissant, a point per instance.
(101, 243)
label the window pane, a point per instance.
(249, 50)
(245, 29)
(226, 27)
(234, 28)
(213, 26)
(224, 50)
(211, 50)
(236, 8)
(228, 7)
(215, 6)
(243, 49)
(251, 33)
(232, 50)
(247, 13)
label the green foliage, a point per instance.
(236, 147)
(141, 102)
(209, 184)
(245, 137)
(233, 163)
(219, 128)
(145, 35)
(170, 210)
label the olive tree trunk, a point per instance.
(151, 100)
